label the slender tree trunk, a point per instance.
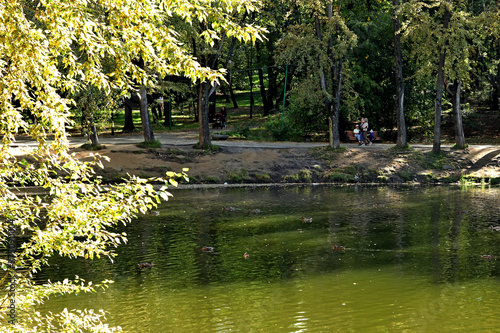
(233, 96)
(129, 119)
(273, 87)
(436, 146)
(336, 114)
(457, 115)
(400, 85)
(147, 129)
(250, 78)
(260, 71)
(263, 92)
(94, 139)
(204, 128)
(225, 95)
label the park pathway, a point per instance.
(485, 154)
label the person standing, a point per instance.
(366, 132)
(361, 134)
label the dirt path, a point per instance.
(278, 162)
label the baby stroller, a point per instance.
(218, 121)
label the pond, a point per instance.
(412, 261)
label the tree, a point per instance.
(210, 54)
(439, 31)
(47, 52)
(400, 88)
(487, 53)
(317, 48)
(95, 109)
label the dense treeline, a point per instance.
(405, 65)
(341, 64)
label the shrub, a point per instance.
(305, 175)
(263, 178)
(237, 176)
(281, 128)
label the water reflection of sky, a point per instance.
(412, 261)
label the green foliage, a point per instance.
(370, 79)
(305, 175)
(263, 178)
(237, 176)
(302, 176)
(94, 107)
(281, 128)
(338, 175)
(307, 105)
(315, 49)
(293, 178)
(243, 130)
(346, 174)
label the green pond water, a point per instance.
(412, 263)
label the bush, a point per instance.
(263, 178)
(237, 176)
(281, 128)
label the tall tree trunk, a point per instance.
(333, 107)
(147, 129)
(400, 88)
(225, 95)
(322, 81)
(436, 146)
(273, 87)
(457, 115)
(250, 78)
(94, 139)
(260, 71)
(204, 128)
(129, 119)
(233, 96)
(336, 114)
(89, 114)
(263, 93)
